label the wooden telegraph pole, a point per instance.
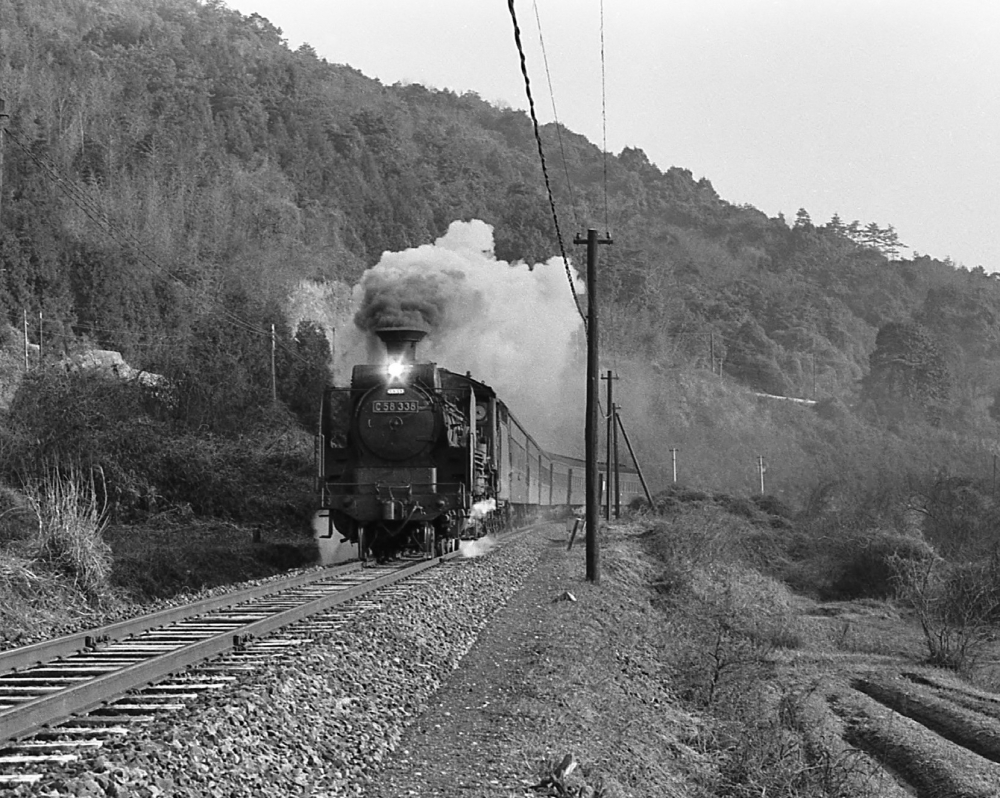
(3, 119)
(593, 385)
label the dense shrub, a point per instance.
(149, 463)
(83, 418)
(772, 505)
(961, 516)
(737, 505)
(865, 566)
(832, 409)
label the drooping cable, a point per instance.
(555, 117)
(604, 127)
(604, 154)
(541, 157)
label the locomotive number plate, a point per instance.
(395, 406)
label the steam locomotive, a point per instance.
(416, 456)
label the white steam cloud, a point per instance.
(514, 326)
(476, 548)
(482, 509)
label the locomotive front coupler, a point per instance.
(394, 507)
(402, 524)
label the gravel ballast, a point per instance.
(321, 719)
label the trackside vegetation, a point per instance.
(791, 674)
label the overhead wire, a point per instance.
(541, 151)
(541, 157)
(604, 155)
(555, 117)
(604, 126)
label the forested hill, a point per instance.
(172, 163)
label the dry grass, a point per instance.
(54, 562)
(16, 573)
(35, 603)
(71, 521)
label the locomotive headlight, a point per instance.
(395, 370)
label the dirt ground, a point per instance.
(553, 677)
(573, 671)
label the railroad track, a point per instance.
(61, 697)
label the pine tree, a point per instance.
(889, 244)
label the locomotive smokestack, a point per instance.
(401, 342)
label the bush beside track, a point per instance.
(180, 508)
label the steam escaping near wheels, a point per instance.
(476, 548)
(480, 546)
(481, 509)
(478, 512)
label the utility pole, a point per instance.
(673, 462)
(274, 375)
(3, 119)
(611, 426)
(40, 329)
(25, 312)
(761, 469)
(593, 383)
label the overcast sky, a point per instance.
(884, 111)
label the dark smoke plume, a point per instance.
(394, 299)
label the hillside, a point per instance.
(176, 179)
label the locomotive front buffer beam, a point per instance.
(394, 503)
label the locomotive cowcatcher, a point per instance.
(406, 453)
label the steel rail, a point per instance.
(31, 716)
(39, 653)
